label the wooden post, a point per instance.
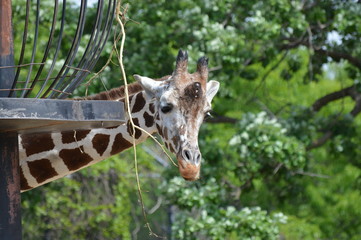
(7, 75)
(10, 201)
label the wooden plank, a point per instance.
(10, 202)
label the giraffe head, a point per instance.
(181, 104)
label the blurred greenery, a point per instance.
(275, 167)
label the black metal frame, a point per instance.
(71, 74)
(24, 115)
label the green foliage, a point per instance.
(338, 198)
(300, 229)
(257, 173)
(202, 218)
(262, 144)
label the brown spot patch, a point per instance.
(68, 137)
(176, 140)
(151, 108)
(171, 148)
(36, 143)
(24, 185)
(159, 130)
(75, 158)
(165, 133)
(100, 143)
(41, 170)
(149, 120)
(193, 91)
(192, 102)
(139, 103)
(120, 144)
(138, 132)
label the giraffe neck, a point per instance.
(45, 157)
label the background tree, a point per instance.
(282, 153)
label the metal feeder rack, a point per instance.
(33, 90)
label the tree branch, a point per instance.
(222, 119)
(320, 142)
(357, 108)
(316, 107)
(337, 56)
(311, 174)
(323, 101)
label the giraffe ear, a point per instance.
(151, 87)
(212, 89)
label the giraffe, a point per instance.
(174, 107)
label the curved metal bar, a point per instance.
(45, 56)
(23, 46)
(60, 38)
(108, 30)
(106, 35)
(68, 77)
(73, 50)
(34, 47)
(98, 49)
(88, 53)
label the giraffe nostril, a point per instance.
(187, 155)
(197, 158)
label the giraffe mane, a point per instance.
(119, 92)
(116, 93)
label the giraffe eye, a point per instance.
(207, 115)
(166, 108)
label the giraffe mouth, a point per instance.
(189, 171)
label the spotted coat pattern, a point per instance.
(45, 157)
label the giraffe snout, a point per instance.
(190, 164)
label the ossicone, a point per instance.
(181, 62)
(202, 67)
